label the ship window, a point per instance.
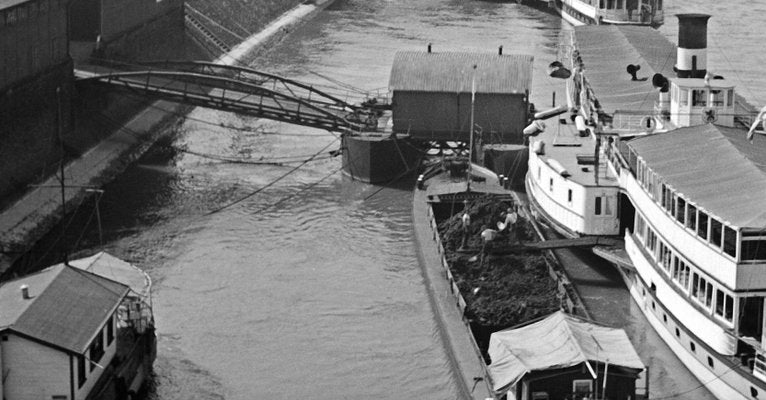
(699, 98)
(640, 226)
(702, 290)
(702, 223)
(601, 4)
(598, 205)
(719, 302)
(569, 195)
(753, 249)
(724, 305)
(666, 256)
(728, 310)
(683, 275)
(582, 387)
(684, 97)
(539, 169)
(730, 95)
(716, 231)
(610, 4)
(550, 184)
(620, 4)
(663, 192)
(692, 346)
(710, 362)
(691, 217)
(678, 333)
(730, 241)
(695, 284)
(675, 268)
(717, 97)
(708, 295)
(659, 5)
(680, 209)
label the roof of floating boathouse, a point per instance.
(558, 341)
(606, 51)
(713, 166)
(452, 72)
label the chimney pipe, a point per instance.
(691, 57)
(500, 50)
(25, 292)
(429, 47)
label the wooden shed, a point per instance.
(563, 357)
(432, 95)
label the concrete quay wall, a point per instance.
(29, 216)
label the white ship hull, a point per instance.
(724, 381)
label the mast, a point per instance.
(59, 128)
(470, 129)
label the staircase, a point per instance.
(202, 33)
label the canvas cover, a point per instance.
(557, 341)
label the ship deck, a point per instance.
(575, 153)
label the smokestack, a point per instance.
(500, 50)
(25, 292)
(691, 58)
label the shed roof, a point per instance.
(452, 72)
(713, 166)
(67, 308)
(558, 341)
(606, 51)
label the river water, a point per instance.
(310, 287)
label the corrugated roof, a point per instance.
(715, 167)
(558, 341)
(606, 52)
(452, 72)
(67, 308)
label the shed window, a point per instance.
(729, 241)
(80, 370)
(716, 232)
(702, 223)
(96, 349)
(110, 331)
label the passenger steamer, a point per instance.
(680, 180)
(618, 12)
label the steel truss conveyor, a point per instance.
(239, 90)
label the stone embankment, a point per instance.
(36, 211)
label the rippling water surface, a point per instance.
(311, 288)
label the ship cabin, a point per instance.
(699, 234)
(69, 334)
(617, 12)
(564, 357)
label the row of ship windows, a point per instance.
(707, 228)
(28, 10)
(701, 97)
(619, 4)
(682, 273)
(692, 345)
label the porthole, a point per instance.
(710, 362)
(692, 346)
(678, 333)
(665, 318)
(753, 391)
(653, 306)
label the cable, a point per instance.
(241, 199)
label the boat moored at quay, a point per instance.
(607, 12)
(680, 177)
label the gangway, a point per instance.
(240, 90)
